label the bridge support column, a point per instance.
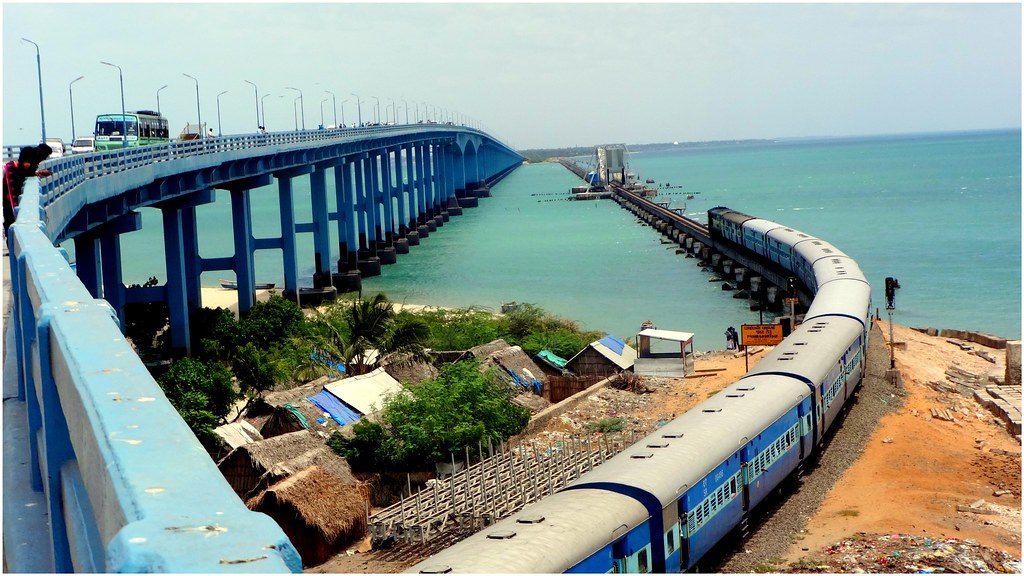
(348, 278)
(177, 293)
(412, 236)
(387, 251)
(381, 206)
(434, 208)
(109, 236)
(421, 189)
(453, 202)
(401, 244)
(241, 223)
(87, 256)
(321, 228)
(193, 263)
(369, 263)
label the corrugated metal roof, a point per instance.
(667, 335)
(238, 434)
(624, 360)
(365, 392)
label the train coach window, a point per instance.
(642, 562)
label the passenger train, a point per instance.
(660, 505)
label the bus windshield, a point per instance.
(112, 125)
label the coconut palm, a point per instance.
(374, 326)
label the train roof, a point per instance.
(846, 297)
(678, 455)
(761, 225)
(837, 268)
(812, 349)
(788, 235)
(816, 248)
(571, 526)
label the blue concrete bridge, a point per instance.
(100, 473)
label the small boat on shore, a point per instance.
(233, 285)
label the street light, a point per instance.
(377, 114)
(359, 108)
(256, 98)
(263, 105)
(394, 111)
(406, 110)
(322, 112)
(198, 110)
(295, 111)
(158, 98)
(343, 111)
(334, 100)
(302, 105)
(219, 133)
(71, 97)
(124, 120)
(39, 75)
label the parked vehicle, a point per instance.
(83, 144)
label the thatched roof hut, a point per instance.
(285, 411)
(407, 370)
(482, 351)
(319, 513)
(516, 368)
(252, 467)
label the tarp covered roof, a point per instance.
(612, 343)
(624, 358)
(365, 392)
(552, 358)
(336, 409)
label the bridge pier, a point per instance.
(348, 278)
(241, 225)
(321, 226)
(368, 263)
(287, 213)
(87, 256)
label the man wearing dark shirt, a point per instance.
(15, 173)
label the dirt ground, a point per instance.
(917, 469)
(911, 477)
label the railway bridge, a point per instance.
(100, 472)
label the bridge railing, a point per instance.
(126, 485)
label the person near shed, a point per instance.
(15, 173)
(735, 337)
(730, 343)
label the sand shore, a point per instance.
(216, 297)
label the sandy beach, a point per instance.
(225, 298)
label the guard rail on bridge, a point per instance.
(100, 472)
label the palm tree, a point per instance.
(362, 334)
(373, 325)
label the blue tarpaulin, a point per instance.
(613, 344)
(340, 412)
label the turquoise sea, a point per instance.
(942, 213)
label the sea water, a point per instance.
(939, 212)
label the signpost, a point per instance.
(759, 335)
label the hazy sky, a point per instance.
(536, 75)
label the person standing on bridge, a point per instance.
(15, 173)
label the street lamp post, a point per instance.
(359, 108)
(295, 111)
(219, 133)
(124, 120)
(71, 97)
(39, 75)
(256, 95)
(158, 99)
(302, 105)
(406, 110)
(334, 102)
(263, 105)
(377, 113)
(322, 112)
(343, 111)
(394, 111)
(199, 111)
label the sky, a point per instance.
(534, 75)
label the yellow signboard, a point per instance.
(761, 334)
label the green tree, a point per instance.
(461, 407)
(214, 333)
(201, 393)
(273, 320)
(257, 371)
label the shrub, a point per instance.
(201, 393)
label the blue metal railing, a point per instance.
(101, 474)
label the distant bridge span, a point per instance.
(100, 473)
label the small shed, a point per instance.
(663, 364)
(318, 512)
(604, 357)
(254, 466)
(300, 408)
(366, 392)
(515, 368)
